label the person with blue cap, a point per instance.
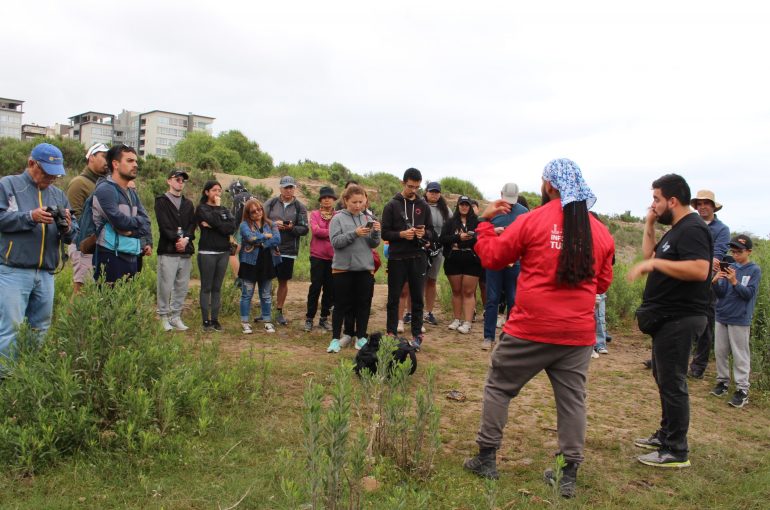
(34, 220)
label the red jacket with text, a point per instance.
(544, 311)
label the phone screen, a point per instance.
(369, 224)
(724, 265)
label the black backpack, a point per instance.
(367, 356)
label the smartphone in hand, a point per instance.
(369, 224)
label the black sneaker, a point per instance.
(430, 319)
(607, 337)
(407, 317)
(216, 326)
(308, 325)
(719, 390)
(694, 373)
(485, 467)
(664, 459)
(280, 319)
(325, 324)
(650, 443)
(740, 398)
(206, 325)
(568, 481)
(647, 363)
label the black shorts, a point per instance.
(462, 263)
(285, 269)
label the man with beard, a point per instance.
(566, 259)
(120, 218)
(673, 310)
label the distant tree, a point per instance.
(258, 163)
(459, 186)
(191, 149)
(14, 154)
(533, 199)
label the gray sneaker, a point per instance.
(485, 467)
(325, 323)
(719, 390)
(280, 319)
(650, 443)
(740, 398)
(308, 325)
(567, 482)
(486, 344)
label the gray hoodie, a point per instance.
(351, 252)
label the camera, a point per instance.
(59, 217)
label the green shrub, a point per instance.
(460, 186)
(105, 376)
(760, 329)
(623, 297)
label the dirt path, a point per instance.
(622, 396)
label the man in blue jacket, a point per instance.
(736, 288)
(34, 221)
(502, 282)
(120, 217)
(706, 204)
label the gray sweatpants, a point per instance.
(735, 340)
(173, 280)
(513, 363)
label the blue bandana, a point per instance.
(565, 176)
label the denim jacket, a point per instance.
(254, 240)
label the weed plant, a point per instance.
(106, 377)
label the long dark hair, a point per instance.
(470, 218)
(576, 260)
(207, 187)
(251, 205)
(443, 208)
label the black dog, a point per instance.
(366, 359)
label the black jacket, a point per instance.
(450, 234)
(170, 219)
(295, 212)
(400, 214)
(222, 224)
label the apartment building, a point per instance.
(157, 131)
(11, 112)
(92, 127)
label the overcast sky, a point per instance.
(485, 91)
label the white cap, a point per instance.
(510, 193)
(97, 147)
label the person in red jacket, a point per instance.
(566, 259)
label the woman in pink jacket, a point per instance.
(321, 255)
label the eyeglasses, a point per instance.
(178, 179)
(253, 211)
(736, 250)
(413, 187)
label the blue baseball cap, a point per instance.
(49, 157)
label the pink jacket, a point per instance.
(320, 245)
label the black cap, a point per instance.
(464, 199)
(741, 242)
(326, 191)
(178, 173)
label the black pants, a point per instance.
(412, 271)
(320, 279)
(670, 353)
(700, 358)
(352, 292)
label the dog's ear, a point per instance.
(376, 337)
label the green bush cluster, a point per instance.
(760, 329)
(460, 186)
(106, 377)
(14, 154)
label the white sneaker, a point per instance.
(500, 321)
(422, 329)
(246, 328)
(177, 323)
(400, 327)
(603, 350)
(269, 327)
(166, 325)
(344, 341)
(454, 324)
(464, 328)
(594, 354)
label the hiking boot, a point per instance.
(334, 346)
(269, 328)
(308, 325)
(360, 343)
(568, 481)
(719, 390)
(216, 326)
(740, 398)
(486, 344)
(430, 319)
(407, 317)
(454, 324)
(483, 466)
(664, 459)
(166, 325)
(345, 340)
(177, 324)
(464, 328)
(400, 327)
(325, 324)
(650, 443)
(280, 319)
(694, 373)
(246, 328)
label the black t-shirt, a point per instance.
(689, 239)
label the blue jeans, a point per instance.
(265, 298)
(27, 293)
(497, 283)
(601, 321)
